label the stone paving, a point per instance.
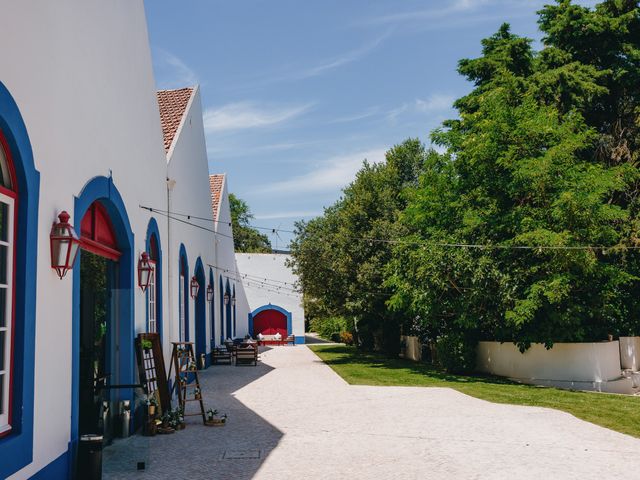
(292, 417)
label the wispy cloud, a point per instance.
(331, 174)
(340, 60)
(287, 215)
(435, 103)
(244, 115)
(369, 112)
(454, 8)
(172, 71)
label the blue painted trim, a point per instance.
(234, 311)
(154, 231)
(183, 258)
(299, 340)
(220, 289)
(227, 290)
(250, 321)
(57, 469)
(212, 310)
(104, 190)
(201, 311)
(16, 449)
(269, 306)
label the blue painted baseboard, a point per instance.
(299, 339)
(56, 470)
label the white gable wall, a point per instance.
(80, 73)
(189, 195)
(260, 266)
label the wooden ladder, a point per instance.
(183, 361)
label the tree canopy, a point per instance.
(246, 239)
(523, 226)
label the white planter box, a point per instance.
(630, 353)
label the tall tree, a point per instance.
(246, 239)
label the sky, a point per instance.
(297, 94)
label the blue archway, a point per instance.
(277, 308)
(103, 189)
(234, 309)
(153, 232)
(221, 291)
(183, 266)
(16, 449)
(212, 310)
(227, 290)
(201, 313)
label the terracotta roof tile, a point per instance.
(173, 104)
(215, 184)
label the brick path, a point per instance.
(305, 422)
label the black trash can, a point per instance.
(90, 457)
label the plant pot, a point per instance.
(215, 422)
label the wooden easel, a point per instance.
(183, 361)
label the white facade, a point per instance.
(77, 91)
(268, 280)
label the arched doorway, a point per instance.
(212, 310)
(201, 313)
(269, 320)
(98, 326)
(227, 295)
(103, 314)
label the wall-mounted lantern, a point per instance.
(195, 286)
(64, 245)
(226, 298)
(209, 294)
(144, 271)
(233, 300)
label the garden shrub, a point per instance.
(326, 327)
(346, 338)
(455, 353)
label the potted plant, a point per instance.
(146, 344)
(152, 405)
(213, 418)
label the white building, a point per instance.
(82, 130)
(273, 301)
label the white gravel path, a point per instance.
(307, 423)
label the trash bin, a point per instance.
(90, 457)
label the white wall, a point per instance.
(226, 269)
(589, 366)
(630, 353)
(80, 72)
(189, 194)
(257, 266)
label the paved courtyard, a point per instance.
(292, 417)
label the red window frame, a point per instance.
(13, 194)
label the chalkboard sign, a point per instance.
(151, 369)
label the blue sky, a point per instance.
(297, 94)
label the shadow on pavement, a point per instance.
(234, 451)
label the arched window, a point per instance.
(8, 200)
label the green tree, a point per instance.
(246, 239)
(524, 167)
(340, 269)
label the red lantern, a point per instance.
(145, 269)
(64, 245)
(195, 286)
(209, 293)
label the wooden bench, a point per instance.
(247, 356)
(220, 355)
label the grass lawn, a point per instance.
(617, 412)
